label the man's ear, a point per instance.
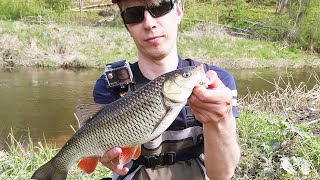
(179, 11)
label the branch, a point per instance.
(92, 6)
(255, 23)
(86, 10)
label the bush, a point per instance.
(308, 34)
(18, 9)
(58, 5)
(14, 10)
(296, 23)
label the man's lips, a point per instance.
(154, 38)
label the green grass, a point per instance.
(23, 158)
(257, 18)
(242, 48)
(275, 149)
(54, 45)
(49, 9)
(279, 132)
(58, 38)
(213, 45)
(18, 9)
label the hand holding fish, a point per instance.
(213, 103)
(212, 107)
(111, 160)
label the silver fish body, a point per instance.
(130, 121)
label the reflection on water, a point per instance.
(42, 101)
(253, 80)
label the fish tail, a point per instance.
(50, 172)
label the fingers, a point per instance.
(207, 112)
(213, 103)
(111, 160)
(111, 154)
(213, 80)
(216, 95)
(199, 116)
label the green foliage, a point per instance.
(308, 33)
(274, 149)
(19, 8)
(57, 45)
(274, 124)
(193, 15)
(211, 46)
(296, 23)
(23, 157)
(262, 2)
(58, 5)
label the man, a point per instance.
(153, 26)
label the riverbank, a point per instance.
(280, 132)
(66, 45)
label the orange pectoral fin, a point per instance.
(88, 164)
(137, 153)
(128, 154)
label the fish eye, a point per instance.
(186, 74)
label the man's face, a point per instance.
(155, 37)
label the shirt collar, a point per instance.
(179, 62)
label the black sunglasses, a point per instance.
(136, 14)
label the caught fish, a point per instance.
(135, 119)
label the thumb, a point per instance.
(213, 80)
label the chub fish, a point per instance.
(128, 122)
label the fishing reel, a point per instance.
(118, 74)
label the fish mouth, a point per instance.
(173, 101)
(180, 87)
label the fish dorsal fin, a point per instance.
(85, 112)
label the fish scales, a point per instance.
(130, 121)
(121, 114)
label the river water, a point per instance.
(42, 101)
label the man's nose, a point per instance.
(149, 21)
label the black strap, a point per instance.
(190, 62)
(169, 158)
(190, 118)
(187, 62)
(138, 78)
(118, 64)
